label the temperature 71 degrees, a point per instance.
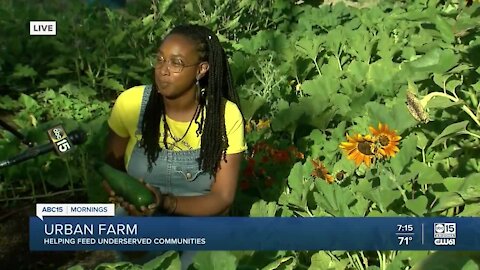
(404, 240)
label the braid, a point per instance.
(151, 131)
(218, 88)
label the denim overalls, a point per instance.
(175, 172)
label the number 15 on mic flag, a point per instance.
(60, 140)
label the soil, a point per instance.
(14, 243)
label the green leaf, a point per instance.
(29, 103)
(412, 257)
(168, 261)
(146, 21)
(48, 83)
(441, 79)
(422, 140)
(112, 84)
(445, 29)
(58, 71)
(435, 61)
(452, 151)
(470, 190)
(408, 150)
(117, 266)
(418, 205)
(447, 260)
(470, 265)
(215, 260)
(251, 105)
(310, 46)
(22, 71)
(383, 197)
(427, 175)
(164, 6)
(344, 164)
(321, 260)
(118, 38)
(396, 117)
(277, 263)
(442, 103)
(448, 132)
(470, 210)
(320, 87)
(263, 209)
(447, 200)
(295, 179)
(452, 85)
(453, 183)
(115, 69)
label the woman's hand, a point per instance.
(130, 208)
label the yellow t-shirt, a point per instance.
(126, 111)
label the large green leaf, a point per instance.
(418, 205)
(321, 260)
(408, 150)
(448, 132)
(168, 261)
(470, 190)
(277, 263)
(263, 209)
(250, 105)
(445, 29)
(215, 260)
(295, 179)
(436, 60)
(426, 174)
(449, 260)
(447, 200)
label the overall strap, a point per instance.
(146, 94)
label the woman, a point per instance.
(184, 135)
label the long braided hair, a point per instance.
(218, 87)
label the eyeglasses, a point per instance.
(175, 65)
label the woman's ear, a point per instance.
(203, 70)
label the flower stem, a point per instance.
(466, 109)
(470, 133)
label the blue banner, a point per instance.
(243, 233)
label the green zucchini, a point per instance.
(131, 189)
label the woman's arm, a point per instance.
(222, 194)
(115, 153)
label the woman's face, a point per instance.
(177, 66)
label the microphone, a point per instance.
(60, 142)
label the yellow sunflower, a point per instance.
(360, 149)
(387, 140)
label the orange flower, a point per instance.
(360, 149)
(319, 171)
(387, 140)
(295, 152)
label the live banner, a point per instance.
(248, 233)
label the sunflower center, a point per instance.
(365, 148)
(384, 140)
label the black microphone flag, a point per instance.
(60, 142)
